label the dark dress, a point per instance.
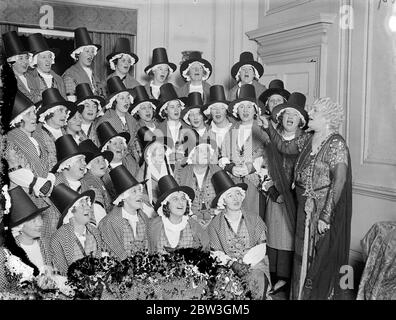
(323, 184)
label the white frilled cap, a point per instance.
(81, 49)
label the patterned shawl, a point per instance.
(62, 246)
(111, 228)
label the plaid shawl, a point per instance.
(3, 280)
(34, 94)
(63, 246)
(192, 236)
(112, 229)
(184, 90)
(57, 82)
(90, 182)
(76, 75)
(218, 235)
(25, 154)
(204, 196)
(47, 144)
(252, 148)
(130, 125)
(91, 133)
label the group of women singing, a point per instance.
(113, 166)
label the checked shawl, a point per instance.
(65, 250)
(117, 233)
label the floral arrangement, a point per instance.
(23, 285)
(183, 274)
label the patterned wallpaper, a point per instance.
(70, 16)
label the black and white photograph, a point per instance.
(222, 151)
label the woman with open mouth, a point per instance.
(280, 216)
(195, 71)
(81, 71)
(18, 59)
(42, 61)
(243, 153)
(143, 110)
(70, 170)
(124, 229)
(323, 184)
(91, 108)
(216, 110)
(194, 116)
(274, 95)
(118, 104)
(169, 110)
(173, 228)
(52, 117)
(74, 122)
(97, 167)
(121, 61)
(75, 238)
(159, 70)
(117, 143)
(246, 71)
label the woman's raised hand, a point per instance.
(262, 121)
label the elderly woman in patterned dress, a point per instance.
(124, 229)
(322, 178)
(234, 231)
(242, 149)
(174, 228)
(75, 237)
